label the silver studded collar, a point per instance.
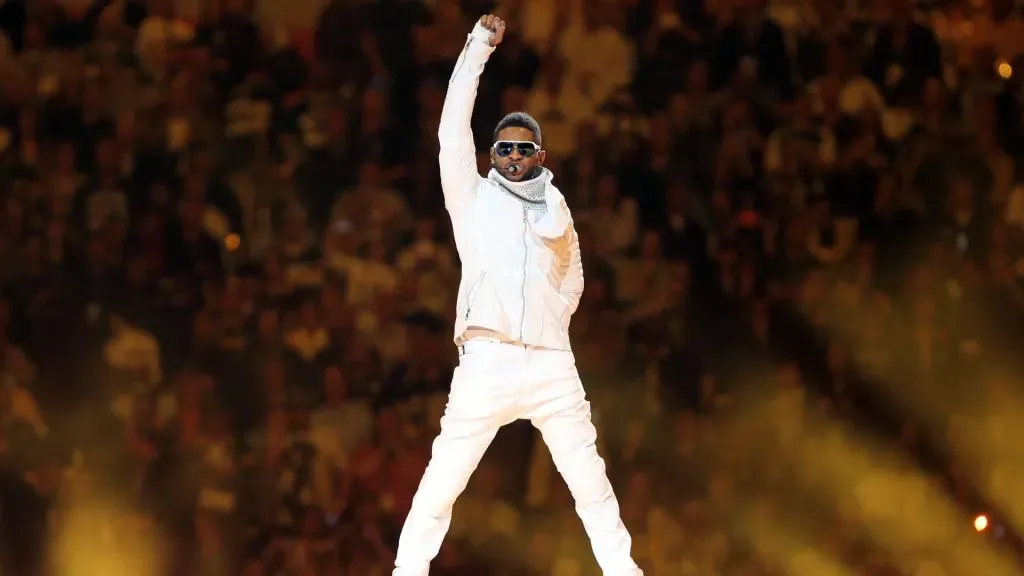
(532, 193)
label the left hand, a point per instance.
(496, 26)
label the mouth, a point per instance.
(515, 168)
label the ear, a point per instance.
(494, 157)
(542, 155)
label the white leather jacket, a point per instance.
(522, 277)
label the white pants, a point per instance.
(495, 384)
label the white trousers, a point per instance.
(495, 384)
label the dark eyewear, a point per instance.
(526, 149)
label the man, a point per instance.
(521, 281)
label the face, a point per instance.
(512, 157)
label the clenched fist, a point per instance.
(496, 26)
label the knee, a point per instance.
(576, 451)
(455, 457)
(443, 481)
(435, 496)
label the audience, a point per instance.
(227, 281)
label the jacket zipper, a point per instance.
(526, 259)
(462, 60)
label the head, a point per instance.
(517, 153)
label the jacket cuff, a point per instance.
(482, 34)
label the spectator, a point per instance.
(133, 356)
(561, 106)
(596, 53)
(754, 46)
(617, 217)
(899, 42)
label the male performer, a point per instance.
(521, 281)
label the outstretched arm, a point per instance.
(459, 176)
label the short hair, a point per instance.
(519, 120)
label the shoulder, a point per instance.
(556, 200)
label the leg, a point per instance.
(476, 409)
(562, 415)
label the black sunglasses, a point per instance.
(526, 149)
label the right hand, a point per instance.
(496, 26)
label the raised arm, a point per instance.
(459, 176)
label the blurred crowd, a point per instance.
(228, 282)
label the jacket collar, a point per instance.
(540, 195)
(532, 192)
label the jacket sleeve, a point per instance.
(457, 158)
